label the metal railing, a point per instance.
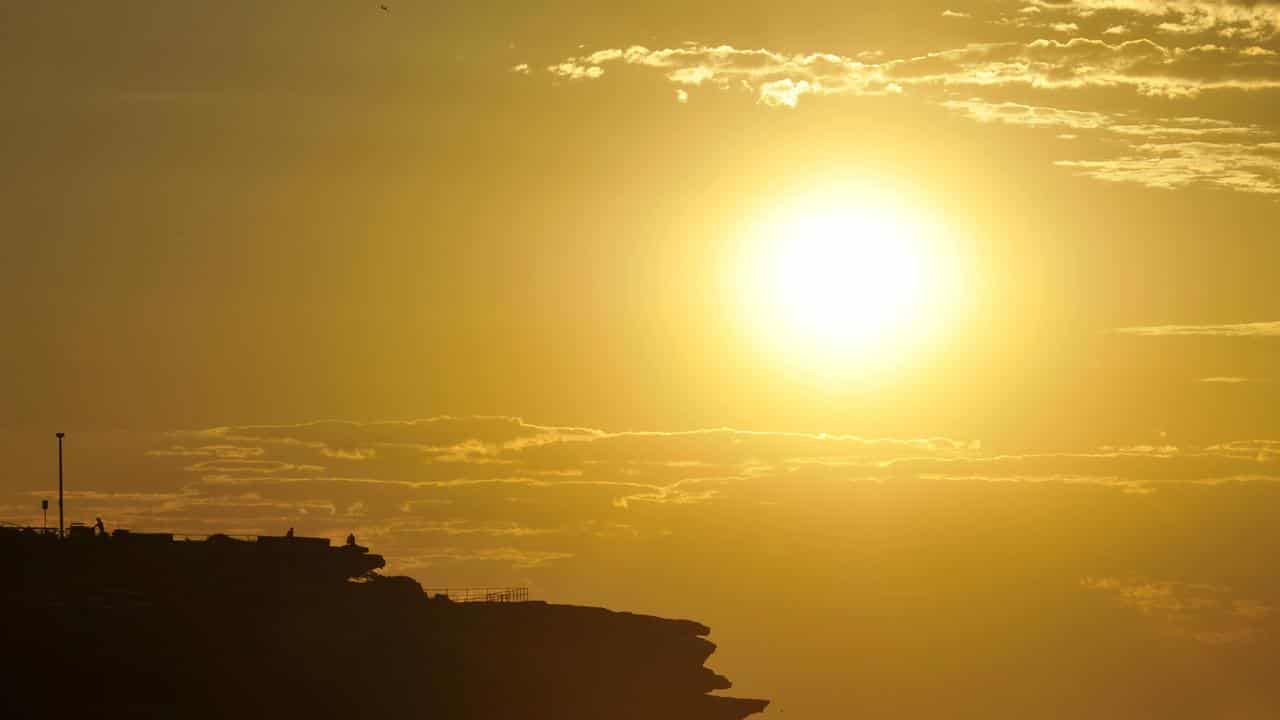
(482, 594)
(52, 531)
(175, 536)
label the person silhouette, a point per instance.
(99, 528)
(289, 534)
(351, 539)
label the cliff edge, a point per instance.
(113, 629)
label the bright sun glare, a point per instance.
(844, 278)
(847, 285)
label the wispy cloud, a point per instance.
(1177, 151)
(1210, 614)
(1012, 113)
(780, 79)
(1244, 167)
(515, 557)
(1152, 48)
(777, 79)
(1225, 18)
(1255, 329)
(503, 492)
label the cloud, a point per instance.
(1221, 380)
(1129, 469)
(1177, 152)
(1255, 329)
(1185, 127)
(781, 79)
(784, 93)
(574, 71)
(1171, 152)
(1142, 65)
(684, 492)
(486, 456)
(218, 451)
(777, 79)
(454, 528)
(515, 557)
(1226, 18)
(948, 13)
(1207, 613)
(238, 465)
(1012, 113)
(1261, 450)
(485, 497)
(1250, 168)
(349, 454)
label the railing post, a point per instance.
(60, 526)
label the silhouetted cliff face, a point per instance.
(195, 645)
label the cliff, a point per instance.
(113, 629)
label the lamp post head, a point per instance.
(60, 435)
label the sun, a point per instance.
(846, 284)
(843, 277)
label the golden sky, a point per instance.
(928, 352)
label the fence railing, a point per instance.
(30, 529)
(151, 534)
(482, 594)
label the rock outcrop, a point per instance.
(118, 631)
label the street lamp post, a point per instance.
(60, 527)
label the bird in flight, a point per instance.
(385, 8)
